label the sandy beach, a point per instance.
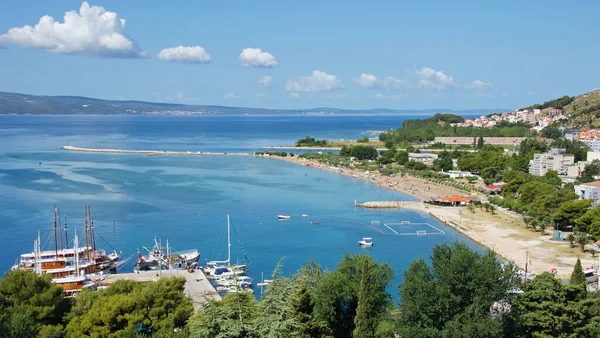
(503, 232)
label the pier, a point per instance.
(390, 205)
(196, 284)
(152, 152)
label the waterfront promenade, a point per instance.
(196, 284)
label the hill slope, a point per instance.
(585, 110)
(13, 103)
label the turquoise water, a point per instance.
(186, 199)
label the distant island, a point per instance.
(15, 103)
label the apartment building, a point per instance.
(557, 160)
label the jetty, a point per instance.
(152, 152)
(196, 284)
(389, 205)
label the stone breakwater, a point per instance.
(390, 205)
(153, 152)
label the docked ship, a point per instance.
(69, 266)
(159, 257)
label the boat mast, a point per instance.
(76, 247)
(93, 235)
(38, 262)
(228, 241)
(66, 235)
(55, 239)
(60, 230)
(86, 227)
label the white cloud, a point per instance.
(430, 78)
(230, 96)
(317, 82)
(366, 80)
(478, 84)
(191, 54)
(265, 81)
(392, 82)
(93, 31)
(294, 95)
(530, 93)
(371, 81)
(255, 57)
(381, 96)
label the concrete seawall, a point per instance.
(152, 152)
(390, 205)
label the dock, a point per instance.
(196, 284)
(152, 152)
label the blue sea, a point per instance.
(185, 199)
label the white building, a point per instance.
(555, 159)
(424, 158)
(589, 190)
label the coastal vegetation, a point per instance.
(424, 130)
(310, 142)
(457, 292)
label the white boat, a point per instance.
(224, 269)
(283, 217)
(366, 241)
(304, 215)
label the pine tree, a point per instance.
(480, 142)
(577, 277)
(364, 320)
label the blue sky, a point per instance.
(303, 54)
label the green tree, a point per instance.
(364, 139)
(480, 142)
(30, 303)
(453, 296)
(128, 306)
(551, 131)
(577, 277)
(364, 321)
(401, 157)
(336, 298)
(364, 152)
(582, 239)
(570, 211)
(571, 239)
(590, 221)
(235, 316)
(590, 172)
(549, 309)
(444, 161)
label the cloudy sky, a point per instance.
(275, 54)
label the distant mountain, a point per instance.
(14, 103)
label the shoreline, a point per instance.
(502, 232)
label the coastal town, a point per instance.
(324, 169)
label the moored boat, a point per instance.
(366, 241)
(283, 217)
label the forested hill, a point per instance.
(583, 110)
(13, 103)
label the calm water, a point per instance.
(186, 199)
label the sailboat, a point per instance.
(224, 269)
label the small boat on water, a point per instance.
(366, 241)
(283, 217)
(315, 222)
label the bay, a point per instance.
(185, 199)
